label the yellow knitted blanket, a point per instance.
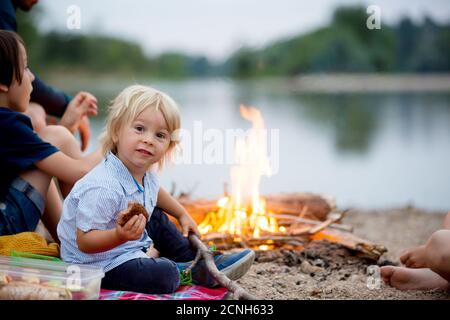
(30, 242)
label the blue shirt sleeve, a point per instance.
(53, 101)
(97, 209)
(7, 16)
(20, 146)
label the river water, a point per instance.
(366, 150)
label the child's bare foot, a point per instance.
(412, 279)
(415, 258)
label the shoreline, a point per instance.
(320, 83)
(371, 83)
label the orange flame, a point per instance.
(244, 213)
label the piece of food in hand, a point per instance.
(133, 209)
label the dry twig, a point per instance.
(293, 220)
(222, 279)
(328, 222)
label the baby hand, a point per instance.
(133, 229)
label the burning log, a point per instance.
(206, 254)
(275, 242)
(293, 221)
(363, 248)
(313, 206)
(299, 236)
(299, 231)
(309, 205)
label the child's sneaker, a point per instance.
(233, 265)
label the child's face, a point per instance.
(143, 142)
(19, 94)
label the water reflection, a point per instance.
(369, 150)
(351, 118)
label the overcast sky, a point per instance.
(215, 28)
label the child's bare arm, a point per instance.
(170, 205)
(96, 241)
(68, 169)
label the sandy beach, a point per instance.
(396, 229)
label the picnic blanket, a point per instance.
(190, 292)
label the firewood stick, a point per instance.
(197, 258)
(327, 222)
(223, 280)
(273, 239)
(362, 247)
(286, 210)
(301, 231)
(342, 227)
(302, 214)
(216, 236)
(320, 227)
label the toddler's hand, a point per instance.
(133, 229)
(188, 224)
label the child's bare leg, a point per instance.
(412, 279)
(53, 210)
(37, 115)
(438, 253)
(61, 138)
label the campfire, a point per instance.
(243, 214)
(243, 218)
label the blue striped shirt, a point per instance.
(93, 204)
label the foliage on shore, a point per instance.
(344, 45)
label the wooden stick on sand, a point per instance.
(223, 280)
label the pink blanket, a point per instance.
(183, 293)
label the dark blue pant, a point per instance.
(154, 275)
(21, 208)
